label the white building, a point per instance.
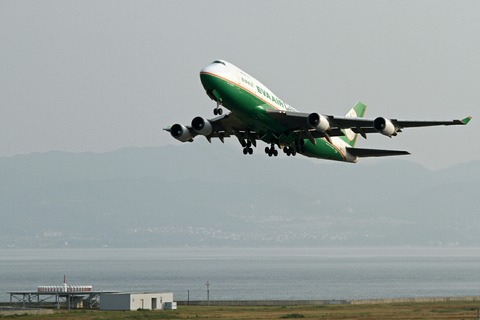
(135, 301)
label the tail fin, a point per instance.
(357, 111)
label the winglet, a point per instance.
(466, 120)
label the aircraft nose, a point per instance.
(217, 67)
(212, 73)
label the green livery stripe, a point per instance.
(214, 83)
(323, 150)
(247, 106)
(251, 110)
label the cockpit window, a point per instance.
(218, 61)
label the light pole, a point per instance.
(208, 292)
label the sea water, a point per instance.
(249, 273)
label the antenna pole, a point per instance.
(208, 292)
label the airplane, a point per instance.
(256, 113)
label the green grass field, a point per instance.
(414, 310)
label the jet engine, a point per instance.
(180, 132)
(202, 126)
(318, 122)
(385, 127)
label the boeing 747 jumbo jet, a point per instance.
(258, 114)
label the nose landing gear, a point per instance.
(217, 110)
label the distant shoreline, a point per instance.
(311, 302)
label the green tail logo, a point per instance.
(357, 111)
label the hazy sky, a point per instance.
(101, 75)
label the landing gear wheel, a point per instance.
(292, 150)
(247, 150)
(217, 111)
(271, 151)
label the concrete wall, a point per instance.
(263, 302)
(134, 301)
(418, 299)
(323, 302)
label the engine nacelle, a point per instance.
(202, 126)
(180, 132)
(385, 127)
(318, 122)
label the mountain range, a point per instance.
(194, 195)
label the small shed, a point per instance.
(136, 301)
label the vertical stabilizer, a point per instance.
(357, 111)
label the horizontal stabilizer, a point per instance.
(362, 153)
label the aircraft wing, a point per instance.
(304, 125)
(321, 126)
(351, 123)
(221, 127)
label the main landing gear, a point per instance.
(271, 151)
(298, 146)
(248, 147)
(289, 151)
(292, 150)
